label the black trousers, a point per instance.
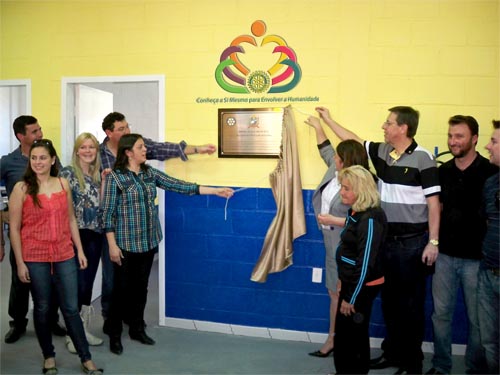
(19, 299)
(403, 301)
(130, 292)
(352, 338)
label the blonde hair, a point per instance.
(95, 166)
(363, 186)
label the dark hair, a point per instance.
(496, 124)
(109, 121)
(468, 120)
(352, 152)
(408, 116)
(30, 176)
(126, 143)
(20, 123)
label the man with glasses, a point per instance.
(409, 189)
(12, 167)
(115, 126)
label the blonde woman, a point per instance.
(85, 182)
(360, 270)
(331, 212)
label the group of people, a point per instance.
(62, 222)
(382, 232)
(389, 239)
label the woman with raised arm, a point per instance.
(331, 212)
(133, 231)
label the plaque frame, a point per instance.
(250, 132)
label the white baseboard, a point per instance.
(277, 334)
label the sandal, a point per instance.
(98, 371)
(49, 370)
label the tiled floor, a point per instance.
(177, 351)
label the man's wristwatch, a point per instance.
(434, 242)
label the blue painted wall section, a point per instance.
(209, 261)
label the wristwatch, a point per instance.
(434, 242)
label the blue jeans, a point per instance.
(451, 273)
(108, 272)
(19, 299)
(488, 309)
(92, 247)
(61, 276)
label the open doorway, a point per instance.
(85, 101)
(15, 100)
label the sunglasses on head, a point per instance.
(45, 142)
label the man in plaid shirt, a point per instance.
(115, 126)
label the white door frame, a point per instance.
(19, 82)
(68, 137)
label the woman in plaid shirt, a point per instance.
(133, 231)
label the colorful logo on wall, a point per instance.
(235, 77)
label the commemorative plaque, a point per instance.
(250, 132)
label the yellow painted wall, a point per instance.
(360, 57)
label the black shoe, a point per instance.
(433, 371)
(142, 338)
(320, 354)
(14, 334)
(381, 363)
(59, 330)
(115, 345)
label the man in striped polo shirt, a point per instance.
(409, 189)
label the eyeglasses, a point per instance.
(389, 123)
(46, 142)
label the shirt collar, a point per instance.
(409, 150)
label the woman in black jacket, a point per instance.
(360, 271)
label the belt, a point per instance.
(403, 237)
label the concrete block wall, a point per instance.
(209, 261)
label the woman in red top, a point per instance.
(43, 230)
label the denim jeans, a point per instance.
(451, 273)
(19, 296)
(107, 280)
(61, 277)
(92, 247)
(19, 299)
(488, 310)
(403, 300)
